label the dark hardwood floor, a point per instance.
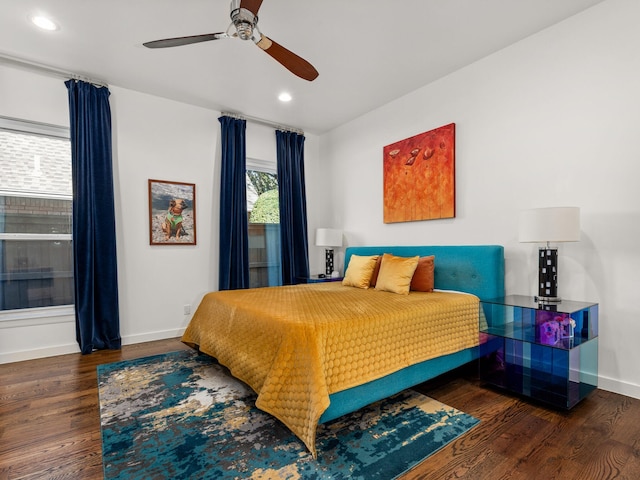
(49, 426)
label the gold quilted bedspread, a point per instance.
(296, 345)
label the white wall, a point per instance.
(550, 121)
(154, 138)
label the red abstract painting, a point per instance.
(419, 177)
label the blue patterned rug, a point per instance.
(182, 416)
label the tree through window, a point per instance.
(264, 224)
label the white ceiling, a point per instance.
(368, 52)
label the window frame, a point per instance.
(267, 166)
(35, 315)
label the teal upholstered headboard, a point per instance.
(476, 269)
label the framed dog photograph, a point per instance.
(172, 213)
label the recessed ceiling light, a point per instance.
(44, 23)
(284, 97)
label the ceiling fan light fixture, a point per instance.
(245, 30)
(244, 20)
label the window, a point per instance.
(264, 224)
(36, 260)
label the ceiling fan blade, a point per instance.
(292, 62)
(252, 5)
(178, 41)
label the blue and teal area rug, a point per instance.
(182, 416)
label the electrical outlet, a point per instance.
(187, 309)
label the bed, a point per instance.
(315, 352)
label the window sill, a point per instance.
(30, 317)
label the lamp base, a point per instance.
(329, 261)
(540, 299)
(548, 274)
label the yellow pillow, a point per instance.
(396, 273)
(359, 271)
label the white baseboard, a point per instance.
(152, 336)
(53, 351)
(39, 353)
(617, 386)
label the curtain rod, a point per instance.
(261, 121)
(42, 68)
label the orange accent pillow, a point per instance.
(422, 280)
(376, 271)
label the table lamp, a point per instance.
(549, 225)
(328, 237)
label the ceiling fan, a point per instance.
(244, 17)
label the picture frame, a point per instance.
(172, 213)
(419, 177)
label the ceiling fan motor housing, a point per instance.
(243, 20)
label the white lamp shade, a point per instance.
(554, 224)
(328, 237)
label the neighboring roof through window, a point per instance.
(47, 173)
